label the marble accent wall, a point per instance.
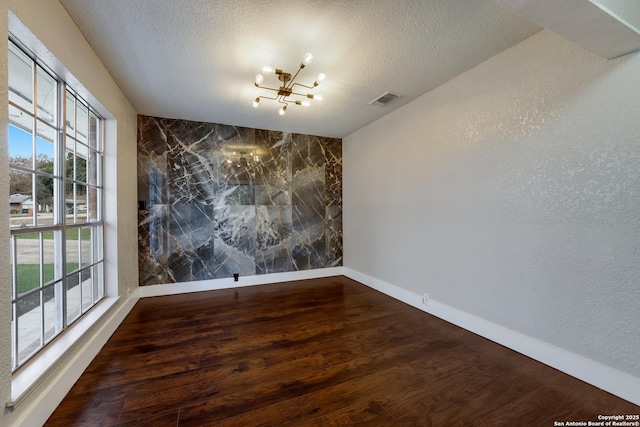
(215, 200)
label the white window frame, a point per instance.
(89, 224)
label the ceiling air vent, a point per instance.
(384, 99)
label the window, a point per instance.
(56, 208)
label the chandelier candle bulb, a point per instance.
(307, 59)
(283, 110)
(256, 102)
(259, 79)
(267, 69)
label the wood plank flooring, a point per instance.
(323, 352)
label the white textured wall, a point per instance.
(49, 22)
(512, 193)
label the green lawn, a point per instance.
(29, 275)
(48, 235)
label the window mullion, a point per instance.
(41, 287)
(61, 242)
(34, 145)
(14, 292)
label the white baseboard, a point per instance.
(602, 376)
(34, 408)
(226, 283)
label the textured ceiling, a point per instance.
(197, 59)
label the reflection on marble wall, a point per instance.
(217, 200)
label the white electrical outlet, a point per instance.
(425, 298)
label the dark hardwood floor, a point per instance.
(314, 353)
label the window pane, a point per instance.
(44, 161)
(29, 326)
(20, 79)
(94, 138)
(96, 240)
(85, 246)
(82, 153)
(82, 124)
(27, 262)
(70, 119)
(73, 254)
(44, 200)
(81, 203)
(45, 145)
(50, 256)
(69, 163)
(98, 289)
(68, 191)
(52, 311)
(87, 289)
(47, 96)
(21, 143)
(73, 297)
(92, 168)
(93, 203)
(20, 201)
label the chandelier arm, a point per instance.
(266, 97)
(268, 88)
(293, 101)
(293, 78)
(306, 95)
(300, 84)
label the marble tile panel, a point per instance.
(237, 154)
(333, 236)
(191, 164)
(235, 241)
(152, 136)
(307, 187)
(240, 194)
(273, 232)
(204, 267)
(235, 226)
(153, 186)
(306, 153)
(332, 150)
(190, 226)
(277, 193)
(218, 200)
(308, 249)
(227, 261)
(274, 150)
(153, 246)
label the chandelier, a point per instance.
(285, 93)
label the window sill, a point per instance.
(28, 376)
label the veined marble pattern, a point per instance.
(218, 200)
